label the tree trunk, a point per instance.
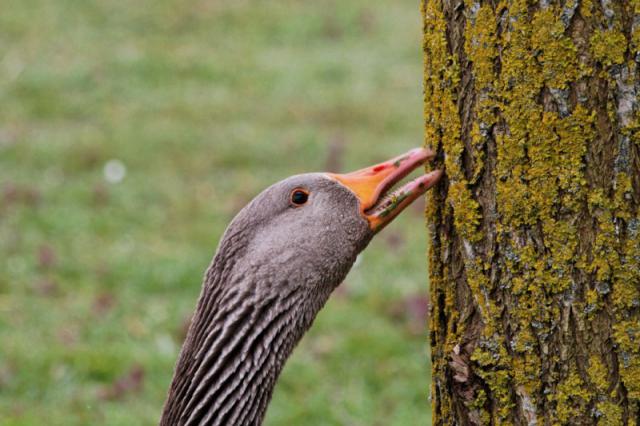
(535, 253)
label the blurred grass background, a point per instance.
(132, 132)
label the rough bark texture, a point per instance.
(535, 256)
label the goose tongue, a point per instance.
(372, 183)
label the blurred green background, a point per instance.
(131, 132)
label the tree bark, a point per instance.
(535, 231)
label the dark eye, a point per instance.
(299, 197)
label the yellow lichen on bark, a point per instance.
(535, 254)
(608, 47)
(571, 399)
(438, 75)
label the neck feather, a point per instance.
(236, 347)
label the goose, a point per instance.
(275, 267)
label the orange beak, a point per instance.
(370, 184)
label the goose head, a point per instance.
(276, 265)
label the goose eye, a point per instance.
(299, 197)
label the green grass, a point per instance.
(205, 103)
